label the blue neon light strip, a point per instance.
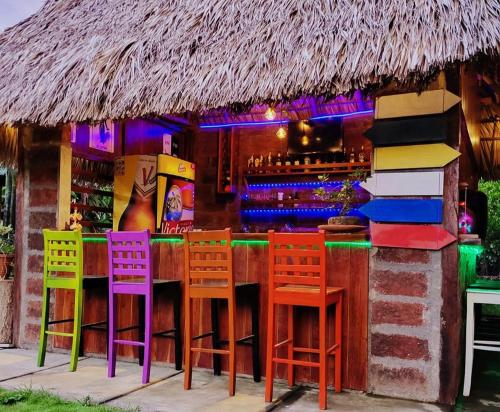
(292, 211)
(243, 124)
(275, 122)
(256, 186)
(340, 115)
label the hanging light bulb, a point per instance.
(270, 113)
(281, 133)
(304, 140)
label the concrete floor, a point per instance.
(166, 393)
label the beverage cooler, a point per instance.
(153, 192)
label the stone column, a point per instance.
(37, 207)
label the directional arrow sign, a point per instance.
(423, 129)
(432, 237)
(423, 183)
(404, 210)
(414, 156)
(414, 104)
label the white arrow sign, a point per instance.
(425, 183)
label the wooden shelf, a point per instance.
(312, 169)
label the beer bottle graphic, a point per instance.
(140, 211)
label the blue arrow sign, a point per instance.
(404, 210)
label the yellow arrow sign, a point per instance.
(418, 156)
(413, 104)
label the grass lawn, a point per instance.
(24, 400)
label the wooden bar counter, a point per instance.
(347, 266)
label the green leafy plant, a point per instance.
(6, 240)
(489, 260)
(345, 197)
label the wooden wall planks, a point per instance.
(348, 267)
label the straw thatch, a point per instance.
(79, 60)
(8, 145)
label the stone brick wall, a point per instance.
(39, 210)
(404, 323)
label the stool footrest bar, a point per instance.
(127, 328)
(55, 322)
(332, 349)
(208, 350)
(296, 362)
(203, 335)
(305, 350)
(128, 342)
(283, 342)
(54, 333)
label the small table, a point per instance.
(477, 295)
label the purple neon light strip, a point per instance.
(276, 122)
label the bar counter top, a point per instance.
(330, 237)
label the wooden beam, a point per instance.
(414, 104)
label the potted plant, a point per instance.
(6, 250)
(343, 199)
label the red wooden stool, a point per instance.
(297, 277)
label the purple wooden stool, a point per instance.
(130, 273)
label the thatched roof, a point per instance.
(8, 145)
(79, 60)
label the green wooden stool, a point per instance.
(63, 258)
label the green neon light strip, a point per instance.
(362, 244)
(467, 263)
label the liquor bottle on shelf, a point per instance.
(344, 155)
(361, 155)
(288, 160)
(278, 159)
(139, 213)
(251, 161)
(307, 160)
(352, 156)
(256, 162)
(261, 162)
(269, 159)
(296, 161)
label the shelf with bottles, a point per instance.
(226, 179)
(306, 164)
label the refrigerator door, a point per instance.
(175, 200)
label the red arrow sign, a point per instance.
(432, 237)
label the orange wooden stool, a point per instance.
(208, 274)
(297, 277)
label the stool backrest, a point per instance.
(208, 257)
(129, 256)
(297, 259)
(63, 253)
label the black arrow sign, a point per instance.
(411, 130)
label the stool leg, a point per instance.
(232, 344)
(43, 327)
(142, 315)
(177, 333)
(291, 369)
(106, 330)
(111, 334)
(270, 350)
(323, 357)
(469, 343)
(214, 314)
(148, 323)
(255, 339)
(188, 360)
(338, 341)
(77, 327)
(82, 334)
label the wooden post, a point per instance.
(6, 311)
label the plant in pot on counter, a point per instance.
(344, 198)
(6, 250)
